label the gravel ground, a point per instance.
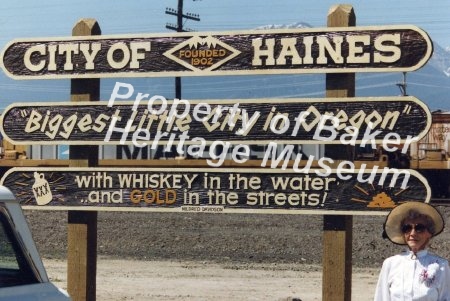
(220, 238)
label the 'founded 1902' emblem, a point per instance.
(202, 53)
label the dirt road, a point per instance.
(120, 280)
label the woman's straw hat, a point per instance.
(393, 221)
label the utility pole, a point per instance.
(402, 85)
(179, 28)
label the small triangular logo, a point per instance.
(202, 54)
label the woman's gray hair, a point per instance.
(429, 223)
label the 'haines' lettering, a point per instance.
(362, 49)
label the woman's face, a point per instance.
(416, 234)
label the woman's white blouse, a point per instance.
(407, 277)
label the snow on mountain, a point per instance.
(441, 59)
(281, 26)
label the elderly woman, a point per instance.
(415, 274)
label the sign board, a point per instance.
(215, 190)
(282, 51)
(254, 121)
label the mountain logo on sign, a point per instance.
(202, 54)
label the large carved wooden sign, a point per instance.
(215, 190)
(326, 50)
(257, 121)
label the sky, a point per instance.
(55, 18)
(42, 18)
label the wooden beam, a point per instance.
(82, 225)
(82, 255)
(337, 229)
(195, 163)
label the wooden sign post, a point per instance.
(82, 225)
(337, 230)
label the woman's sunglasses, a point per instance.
(407, 228)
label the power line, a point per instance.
(179, 28)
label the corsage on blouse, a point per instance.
(428, 275)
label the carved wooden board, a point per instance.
(259, 121)
(214, 190)
(316, 50)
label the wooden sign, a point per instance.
(323, 50)
(254, 121)
(215, 190)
